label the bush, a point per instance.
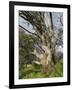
(35, 72)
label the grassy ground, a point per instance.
(31, 71)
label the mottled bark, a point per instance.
(44, 29)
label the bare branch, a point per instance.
(51, 20)
(30, 32)
(23, 17)
(61, 20)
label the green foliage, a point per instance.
(26, 46)
(31, 72)
(57, 70)
(26, 41)
(26, 67)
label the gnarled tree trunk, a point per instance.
(42, 22)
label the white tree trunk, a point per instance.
(45, 58)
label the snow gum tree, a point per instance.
(42, 24)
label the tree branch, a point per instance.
(23, 18)
(41, 48)
(35, 35)
(61, 20)
(30, 32)
(51, 20)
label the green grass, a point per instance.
(35, 72)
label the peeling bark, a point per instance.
(44, 30)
